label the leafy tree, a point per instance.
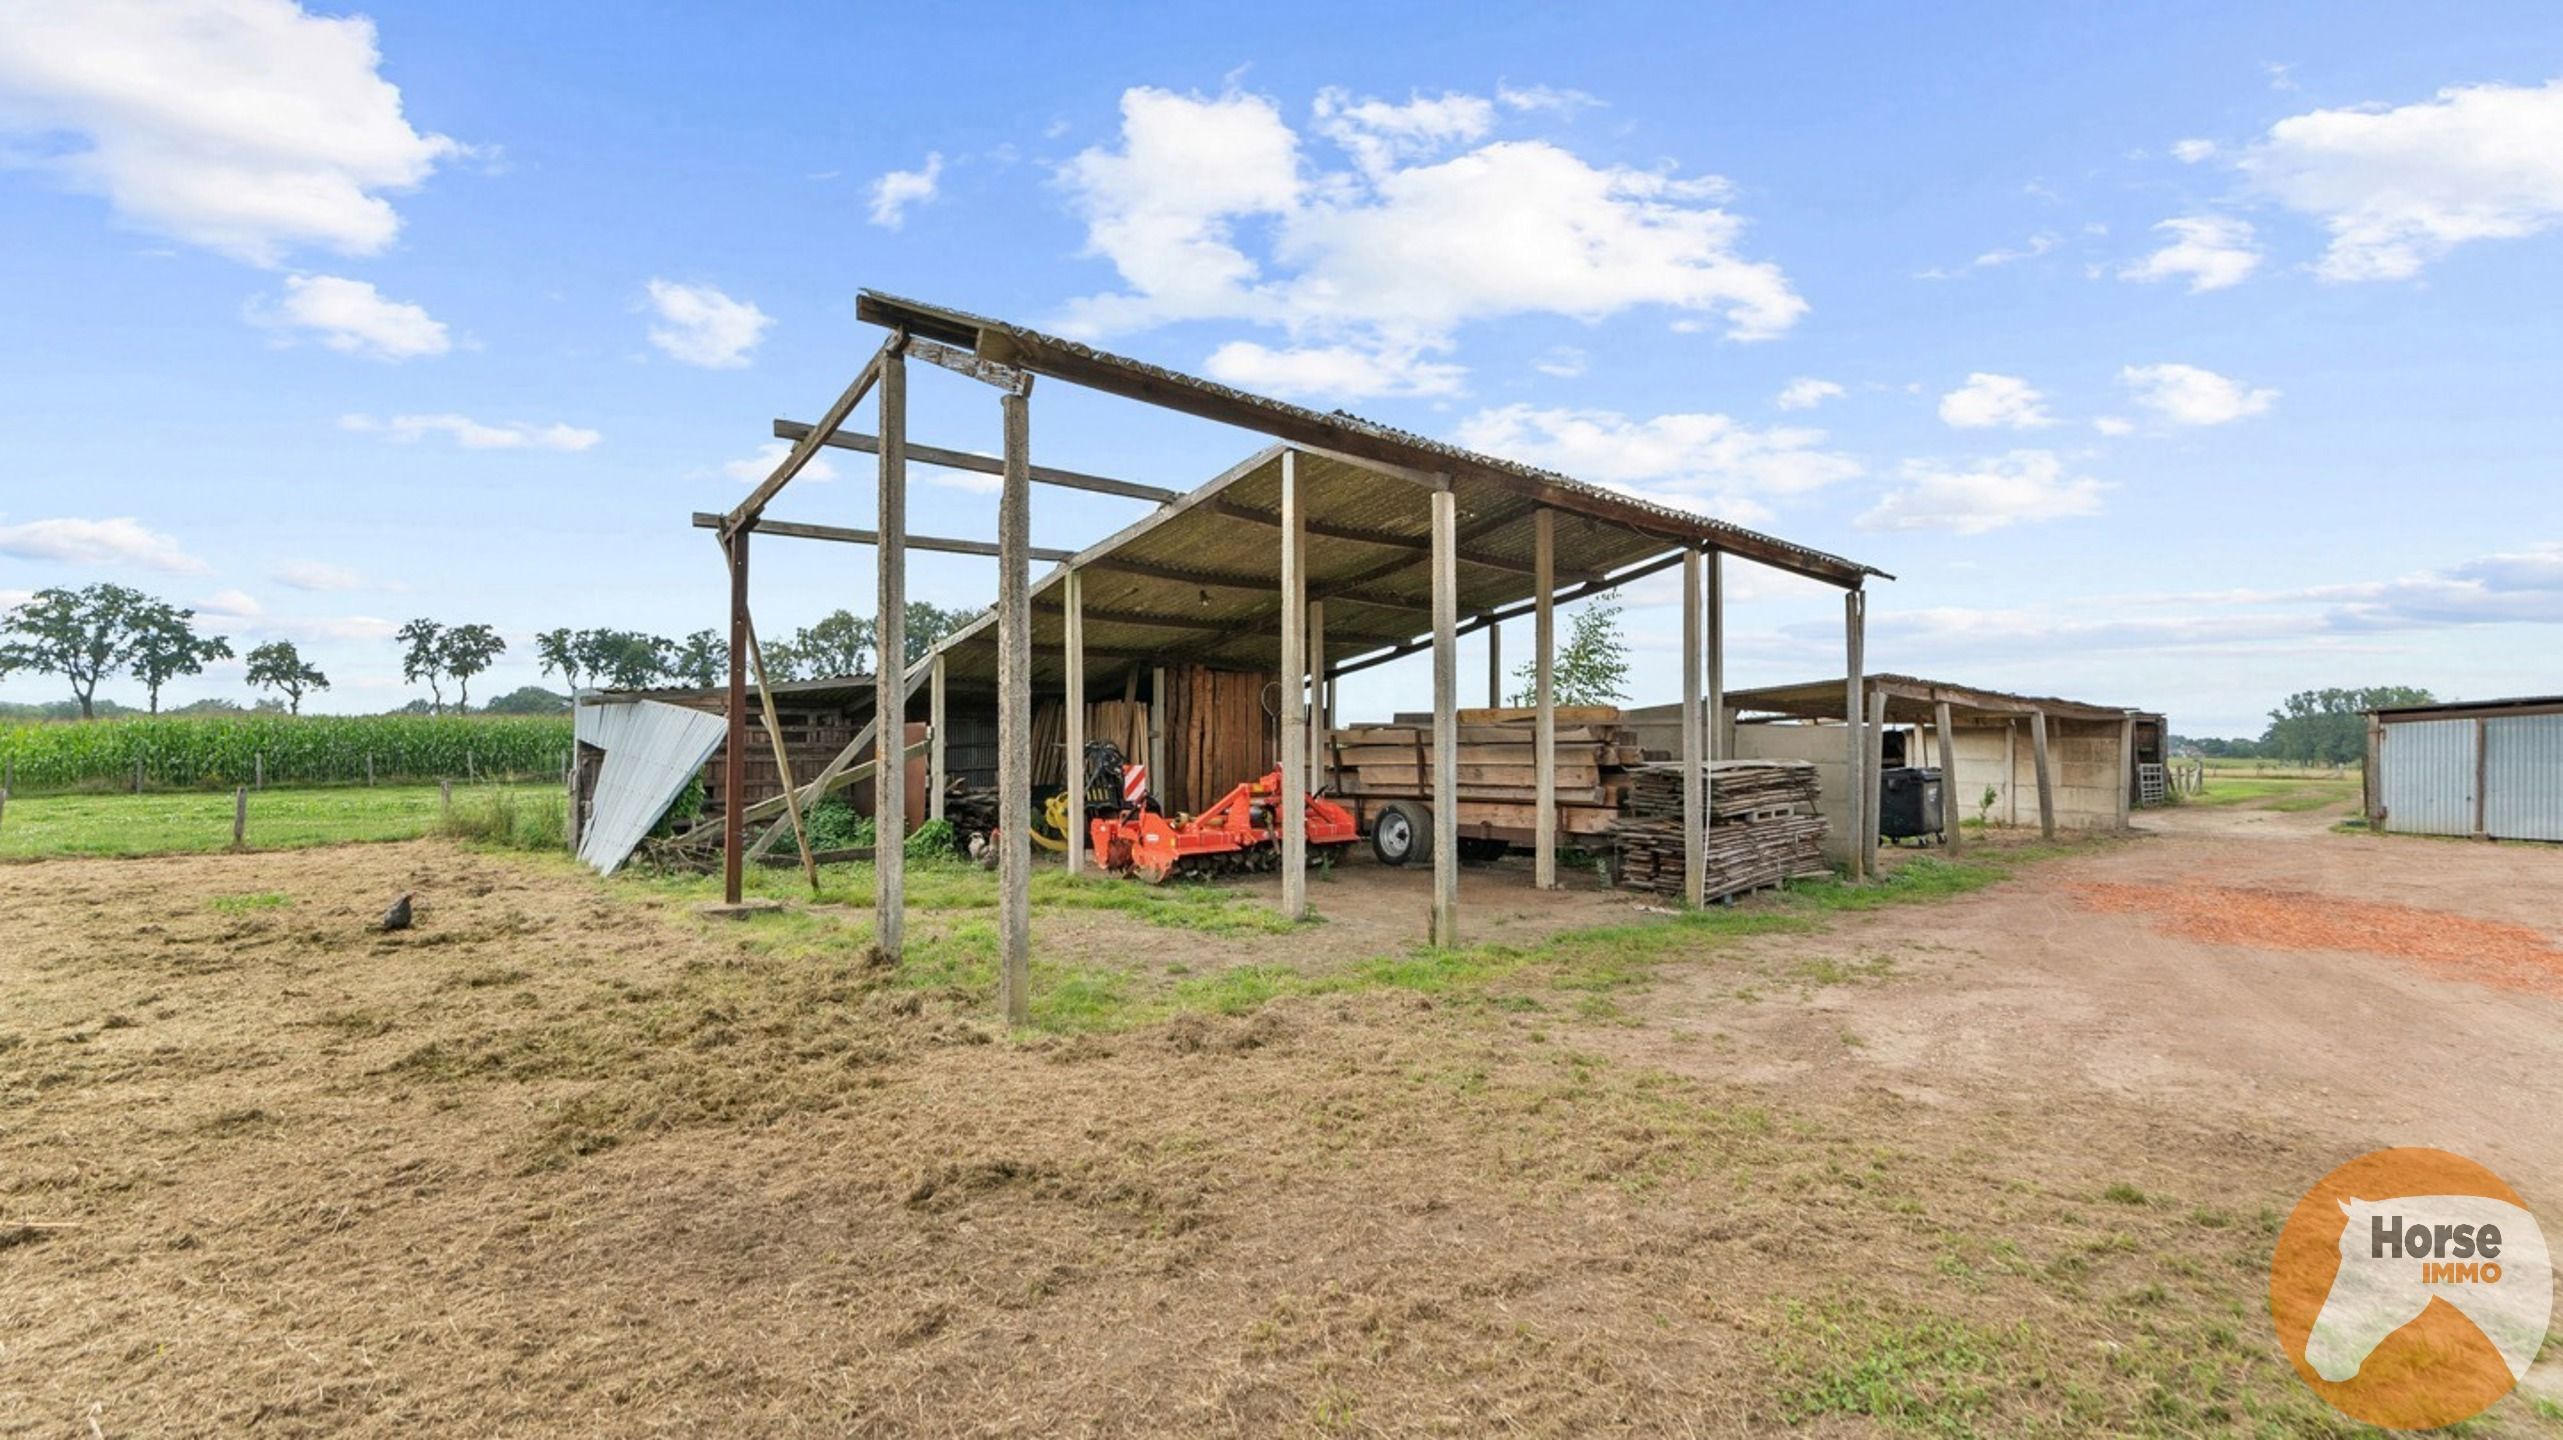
(927, 624)
(560, 650)
(625, 659)
(1592, 666)
(82, 635)
(166, 646)
(466, 651)
(424, 659)
(528, 700)
(277, 665)
(842, 643)
(2329, 727)
(701, 659)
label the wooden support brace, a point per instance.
(1544, 699)
(1014, 717)
(1445, 926)
(938, 739)
(1854, 705)
(1948, 775)
(1073, 773)
(1294, 679)
(2046, 779)
(1695, 815)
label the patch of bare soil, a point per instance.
(2487, 952)
(566, 1160)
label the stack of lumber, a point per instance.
(1762, 829)
(1498, 766)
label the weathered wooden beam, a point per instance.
(1714, 701)
(1073, 646)
(1014, 717)
(1514, 611)
(1294, 671)
(962, 362)
(1948, 776)
(734, 759)
(1445, 719)
(1854, 707)
(985, 464)
(747, 511)
(890, 702)
(796, 530)
(1695, 840)
(1872, 797)
(782, 758)
(1418, 546)
(2046, 778)
(1544, 700)
(938, 738)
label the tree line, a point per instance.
(95, 633)
(2313, 727)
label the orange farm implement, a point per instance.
(1238, 834)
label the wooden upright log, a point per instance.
(1544, 698)
(1073, 714)
(890, 690)
(1948, 775)
(734, 754)
(939, 747)
(1445, 718)
(1160, 784)
(1695, 814)
(1294, 681)
(1854, 699)
(1714, 704)
(2046, 779)
(2126, 771)
(1014, 717)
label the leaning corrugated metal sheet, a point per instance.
(2523, 777)
(651, 750)
(2428, 775)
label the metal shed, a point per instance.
(2488, 769)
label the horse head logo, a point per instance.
(2485, 1257)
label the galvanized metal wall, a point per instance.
(2426, 770)
(2523, 777)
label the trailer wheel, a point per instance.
(1402, 831)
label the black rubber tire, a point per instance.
(1402, 833)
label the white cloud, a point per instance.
(1563, 361)
(1695, 461)
(2191, 152)
(121, 540)
(317, 575)
(2030, 249)
(353, 318)
(1806, 393)
(2113, 425)
(753, 469)
(1989, 401)
(2210, 251)
(1333, 372)
(2187, 395)
(2399, 188)
(894, 192)
(472, 434)
(701, 326)
(1989, 494)
(249, 127)
(1208, 210)
(231, 605)
(1536, 98)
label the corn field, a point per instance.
(219, 751)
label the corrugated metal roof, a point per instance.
(1342, 432)
(651, 751)
(1910, 697)
(2446, 709)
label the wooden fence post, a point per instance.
(258, 767)
(239, 817)
(445, 799)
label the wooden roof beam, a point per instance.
(1420, 546)
(849, 536)
(747, 511)
(981, 464)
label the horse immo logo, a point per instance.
(2411, 1288)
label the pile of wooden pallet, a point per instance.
(1498, 774)
(1763, 827)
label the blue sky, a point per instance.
(2171, 358)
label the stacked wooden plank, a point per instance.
(1762, 830)
(1498, 766)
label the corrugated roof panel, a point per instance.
(651, 750)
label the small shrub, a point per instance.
(833, 825)
(934, 840)
(508, 820)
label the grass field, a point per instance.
(2291, 792)
(194, 821)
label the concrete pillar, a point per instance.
(2046, 778)
(1495, 665)
(890, 691)
(1294, 673)
(1445, 717)
(1014, 716)
(1949, 826)
(1544, 698)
